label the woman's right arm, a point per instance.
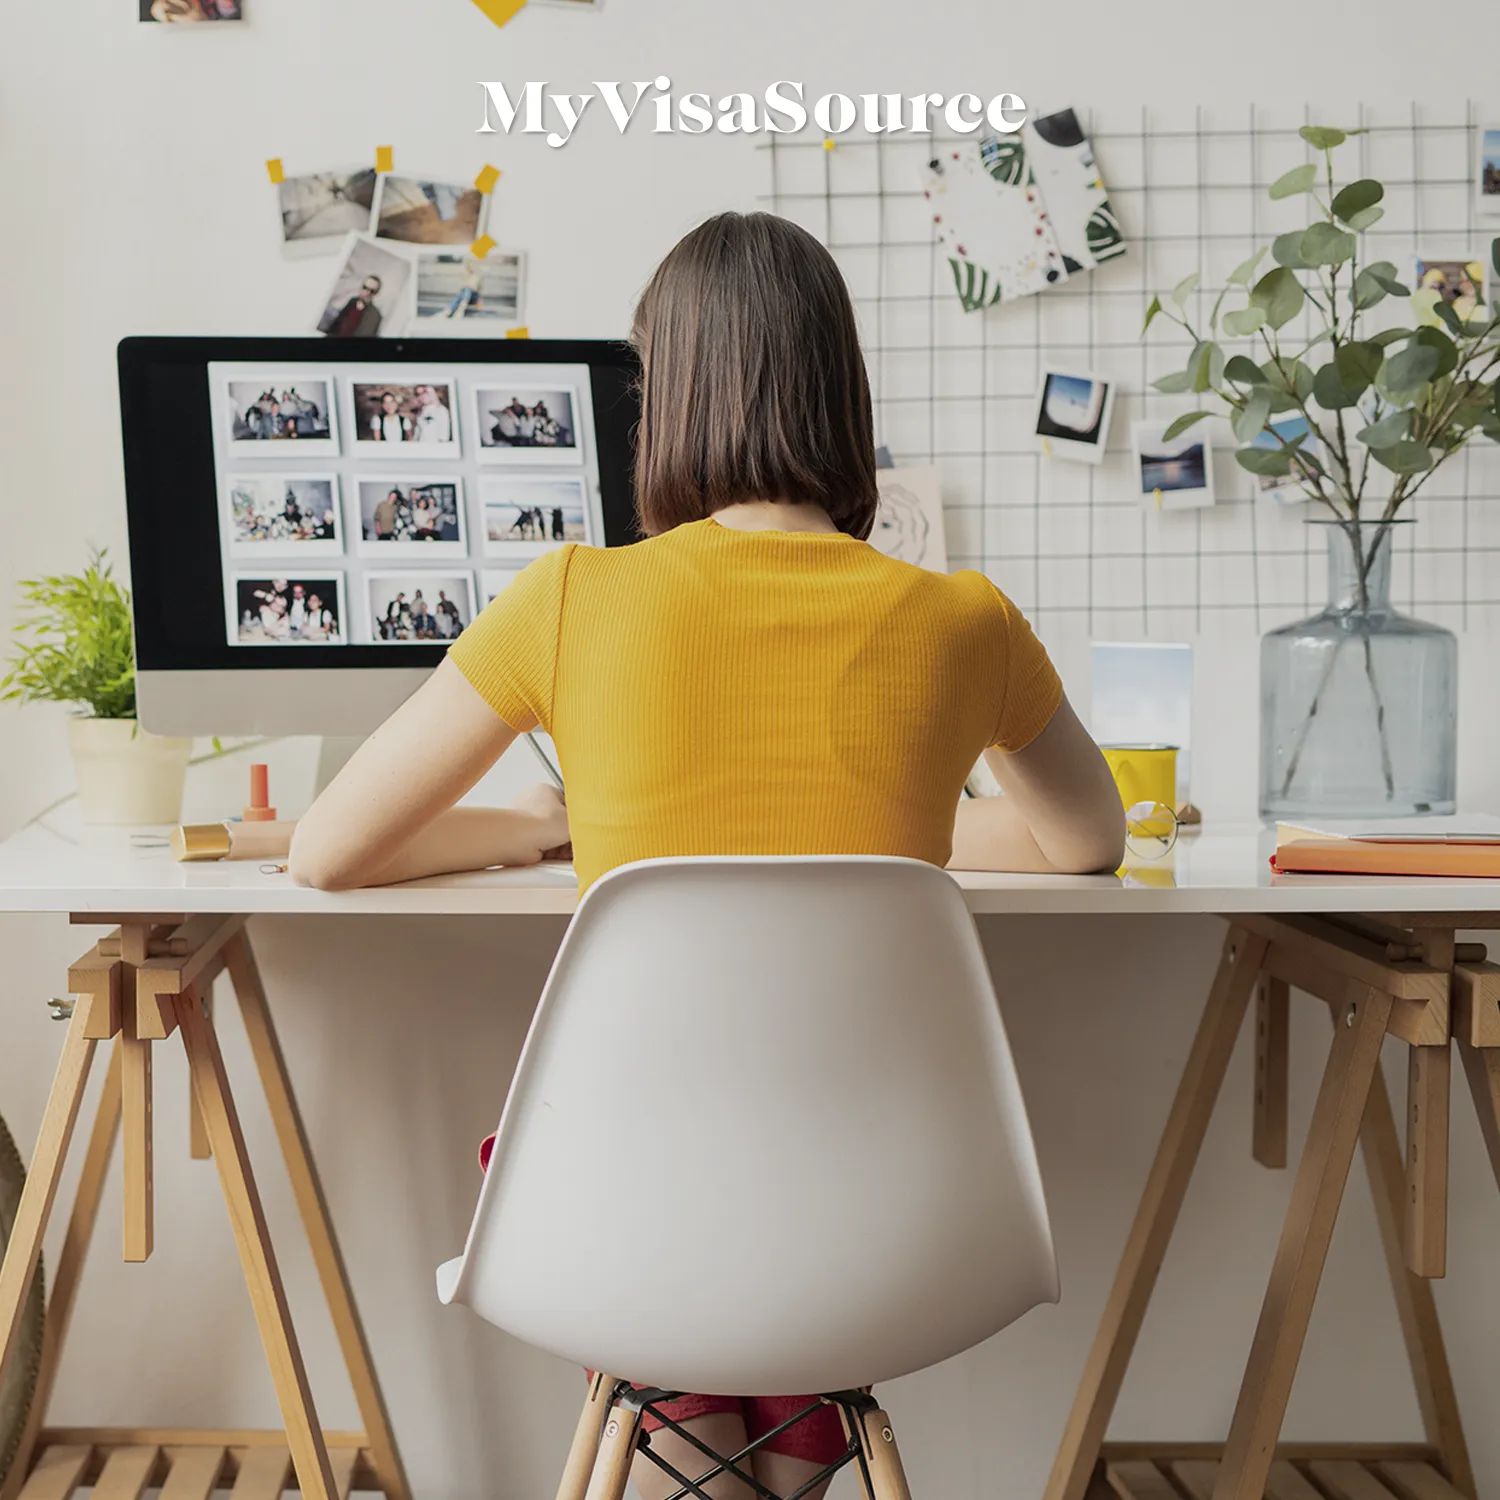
(1060, 814)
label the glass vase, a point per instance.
(1358, 704)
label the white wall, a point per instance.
(136, 202)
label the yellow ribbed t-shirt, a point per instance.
(713, 691)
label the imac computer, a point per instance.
(312, 521)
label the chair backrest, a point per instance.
(765, 1136)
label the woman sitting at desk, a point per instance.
(754, 678)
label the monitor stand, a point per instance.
(334, 751)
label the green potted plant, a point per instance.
(1355, 390)
(74, 645)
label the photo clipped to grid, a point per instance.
(1077, 544)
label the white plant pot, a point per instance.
(126, 775)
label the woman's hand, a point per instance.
(547, 805)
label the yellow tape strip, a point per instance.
(274, 170)
(500, 11)
(487, 179)
(518, 333)
(385, 158)
(481, 247)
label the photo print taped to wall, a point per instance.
(1021, 213)
(316, 211)
(416, 210)
(1072, 415)
(1173, 473)
(174, 12)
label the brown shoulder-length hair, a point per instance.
(752, 384)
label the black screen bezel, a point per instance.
(171, 489)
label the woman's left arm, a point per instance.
(389, 815)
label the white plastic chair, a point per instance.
(727, 1044)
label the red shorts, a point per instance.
(818, 1438)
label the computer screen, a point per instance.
(309, 508)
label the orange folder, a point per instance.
(1308, 851)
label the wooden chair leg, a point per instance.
(586, 1438)
(617, 1445)
(1316, 1196)
(1437, 1399)
(878, 1440)
(317, 1222)
(42, 1177)
(257, 1258)
(1155, 1219)
(69, 1265)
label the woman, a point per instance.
(424, 518)
(320, 624)
(754, 678)
(389, 424)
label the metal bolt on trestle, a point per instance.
(61, 1008)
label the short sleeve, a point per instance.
(1031, 689)
(509, 653)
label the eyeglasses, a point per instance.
(1150, 830)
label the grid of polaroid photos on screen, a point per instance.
(385, 505)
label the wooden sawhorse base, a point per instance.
(1403, 977)
(136, 987)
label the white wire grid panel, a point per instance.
(1072, 543)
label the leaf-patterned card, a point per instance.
(989, 216)
(1020, 213)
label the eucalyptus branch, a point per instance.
(1382, 406)
(1274, 349)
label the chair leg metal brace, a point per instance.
(871, 1447)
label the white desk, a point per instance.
(43, 869)
(1380, 952)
